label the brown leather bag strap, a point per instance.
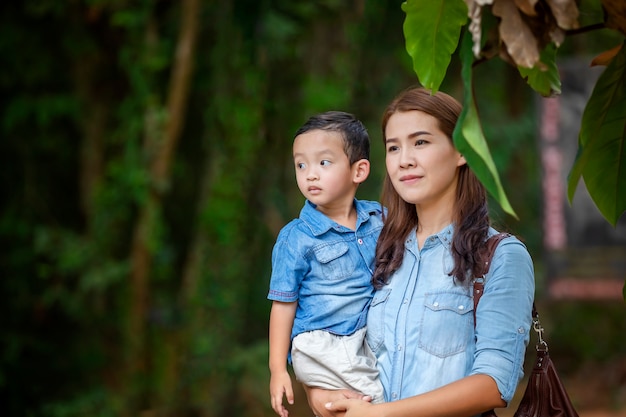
(479, 281)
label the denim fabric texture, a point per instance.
(421, 327)
(327, 268)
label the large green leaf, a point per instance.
(546, 80)
(601, 158)
(431, 32)
(469, 138)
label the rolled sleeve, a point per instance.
(288, 269)
(503, 317)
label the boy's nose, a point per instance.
(311, 174)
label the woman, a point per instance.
(432, 360)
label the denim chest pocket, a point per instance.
(376, 319)
(447, 323)
(334, 259)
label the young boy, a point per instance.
(322, 265)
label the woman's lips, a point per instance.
(409, 179)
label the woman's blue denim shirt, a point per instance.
(421, 326)
(327, 268)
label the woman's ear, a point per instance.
(461, 161)
(360, 171)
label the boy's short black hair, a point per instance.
(356, 140)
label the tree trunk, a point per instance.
(161, 147)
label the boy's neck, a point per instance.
(343, 215)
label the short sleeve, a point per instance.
(288, 267)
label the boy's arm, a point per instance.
(281, 323)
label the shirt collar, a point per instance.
(320, 223)
(443, 237)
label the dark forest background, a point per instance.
(146, 171)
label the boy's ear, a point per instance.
(360, 170)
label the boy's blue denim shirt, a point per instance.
(327, 269)
(421, 324)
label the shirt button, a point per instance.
(435, 304)
(360, 241)
(399, 347)
(405, 301)
(461, 307)
(520, 330)
(394, 395)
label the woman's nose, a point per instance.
(407, 159)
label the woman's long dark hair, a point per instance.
(470, 213)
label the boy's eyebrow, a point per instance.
(322, 152)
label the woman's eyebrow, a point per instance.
(410, 136)
(419, 133)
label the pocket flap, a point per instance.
(329, 252)
(459, 303)
(380, 296)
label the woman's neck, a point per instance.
(431, 221)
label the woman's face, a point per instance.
(421, 161)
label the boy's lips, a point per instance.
(314, 189)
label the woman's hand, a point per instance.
(318, 398)
(350, 408)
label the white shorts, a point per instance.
(325, 360)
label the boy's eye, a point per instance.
(300, 165)
(325, 162)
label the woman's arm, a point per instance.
(503, 317)
(281, 322)
(466, 397)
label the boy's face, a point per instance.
(323, 171)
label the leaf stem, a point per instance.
(584, 29)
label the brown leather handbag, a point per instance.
(545, 395)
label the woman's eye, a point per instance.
(392, 148)
(420, 142)
(325, 162)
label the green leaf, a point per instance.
(469, 138)
(545, 81)
(431, 32)
(601, 156)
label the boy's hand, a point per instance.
(281, 384)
